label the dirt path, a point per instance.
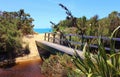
(30, 40)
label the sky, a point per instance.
(44, 11)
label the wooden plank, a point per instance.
(92, 46)
(88, 37)
(56, 47)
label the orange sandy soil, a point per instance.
(30, 40)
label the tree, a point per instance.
(114, 19)
(12, 26)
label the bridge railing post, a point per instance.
(61, 39)
(48, 37)
(45, 37)
(82, 41)
(54, 37)
(70, 37)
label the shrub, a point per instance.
(100, 64)
(12, 26)
(59, 66)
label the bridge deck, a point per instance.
(52, 47)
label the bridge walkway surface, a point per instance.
(52, 47)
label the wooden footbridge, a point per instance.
(55, 42)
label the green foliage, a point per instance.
(12, 26)
(100, 64)
(10, 38)
(93, 26)
(59, 66)
(65, 23)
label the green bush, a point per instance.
(59, 66)
(100, 64)
(12, 26)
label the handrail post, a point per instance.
(101, 41)
(48, 37)
(60, 38)
(70, 38)
(54, 37)
(82, 40)
(45, 37)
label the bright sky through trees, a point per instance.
(44, 11)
